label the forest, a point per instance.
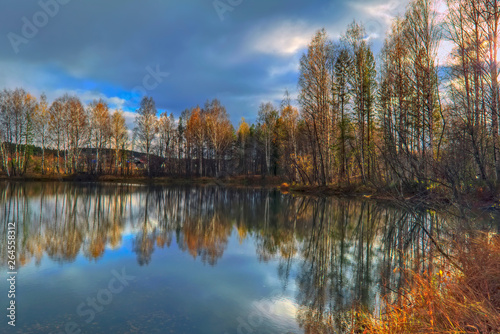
(398, 121)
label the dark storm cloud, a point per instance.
(107, 46)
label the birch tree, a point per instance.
(119, 136)
(146, 128)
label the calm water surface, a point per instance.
(135, 259)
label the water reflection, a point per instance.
(345, 252)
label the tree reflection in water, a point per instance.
(345, 251)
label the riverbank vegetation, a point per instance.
(461, 296)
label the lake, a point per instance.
(206, 259)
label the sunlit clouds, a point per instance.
(282, 39)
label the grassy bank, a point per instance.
(436, 198)
(461, 296)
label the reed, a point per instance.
(450, 300)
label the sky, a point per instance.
(182, 53)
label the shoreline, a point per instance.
(431, 200)
(258, 181)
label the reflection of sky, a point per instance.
(174, 291)
(335, 265)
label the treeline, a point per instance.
(408, 123)
(67, 137)
(441, 129)
(405, 123)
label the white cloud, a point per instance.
(129, 119)
(377, 18)
(441, 9)
(87, 96)
(281, 310)
(116, 101)
(284, 38)
(443, 52)
(386, 12)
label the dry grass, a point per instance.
(465, 300)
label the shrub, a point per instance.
(453, 300)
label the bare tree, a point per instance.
(315, 100)
(196, 134)
(362, 84)
(78, 130)
(100, 121)
(220, 132)
(119, 135)
(267, 118)
(41, 125)
(146, 128)
(57, 126)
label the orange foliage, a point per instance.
(452, 300)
